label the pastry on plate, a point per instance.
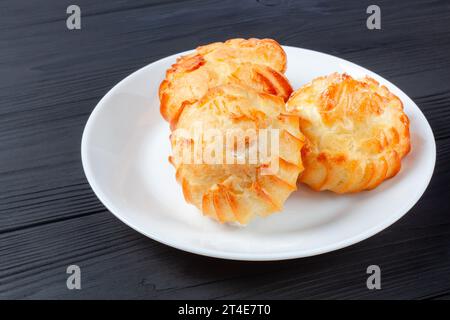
(266, 52)
(235, 175)
(256, 63)
(356, 133)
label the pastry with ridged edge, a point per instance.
(238, 192)
(356, 133)
(266, 52)
(256, 63)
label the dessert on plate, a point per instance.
(356, 132)
(335, 133)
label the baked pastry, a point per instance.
(356, 133)
(237, 190)
(266, 52)
(255, 63)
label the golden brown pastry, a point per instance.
(266, 52)
(237, 191)
(356, 133)
(255, 63)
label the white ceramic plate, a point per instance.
(125, 147)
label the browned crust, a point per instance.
(263, 195)
(371, 159)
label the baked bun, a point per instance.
(255, 63)
(356, 133)
(266, 52)
(237, 190)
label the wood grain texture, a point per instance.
(51, 79)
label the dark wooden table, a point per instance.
(51, 79)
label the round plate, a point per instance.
(125, 147)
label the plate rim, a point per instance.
(240, 256)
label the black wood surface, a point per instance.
(51, 79)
